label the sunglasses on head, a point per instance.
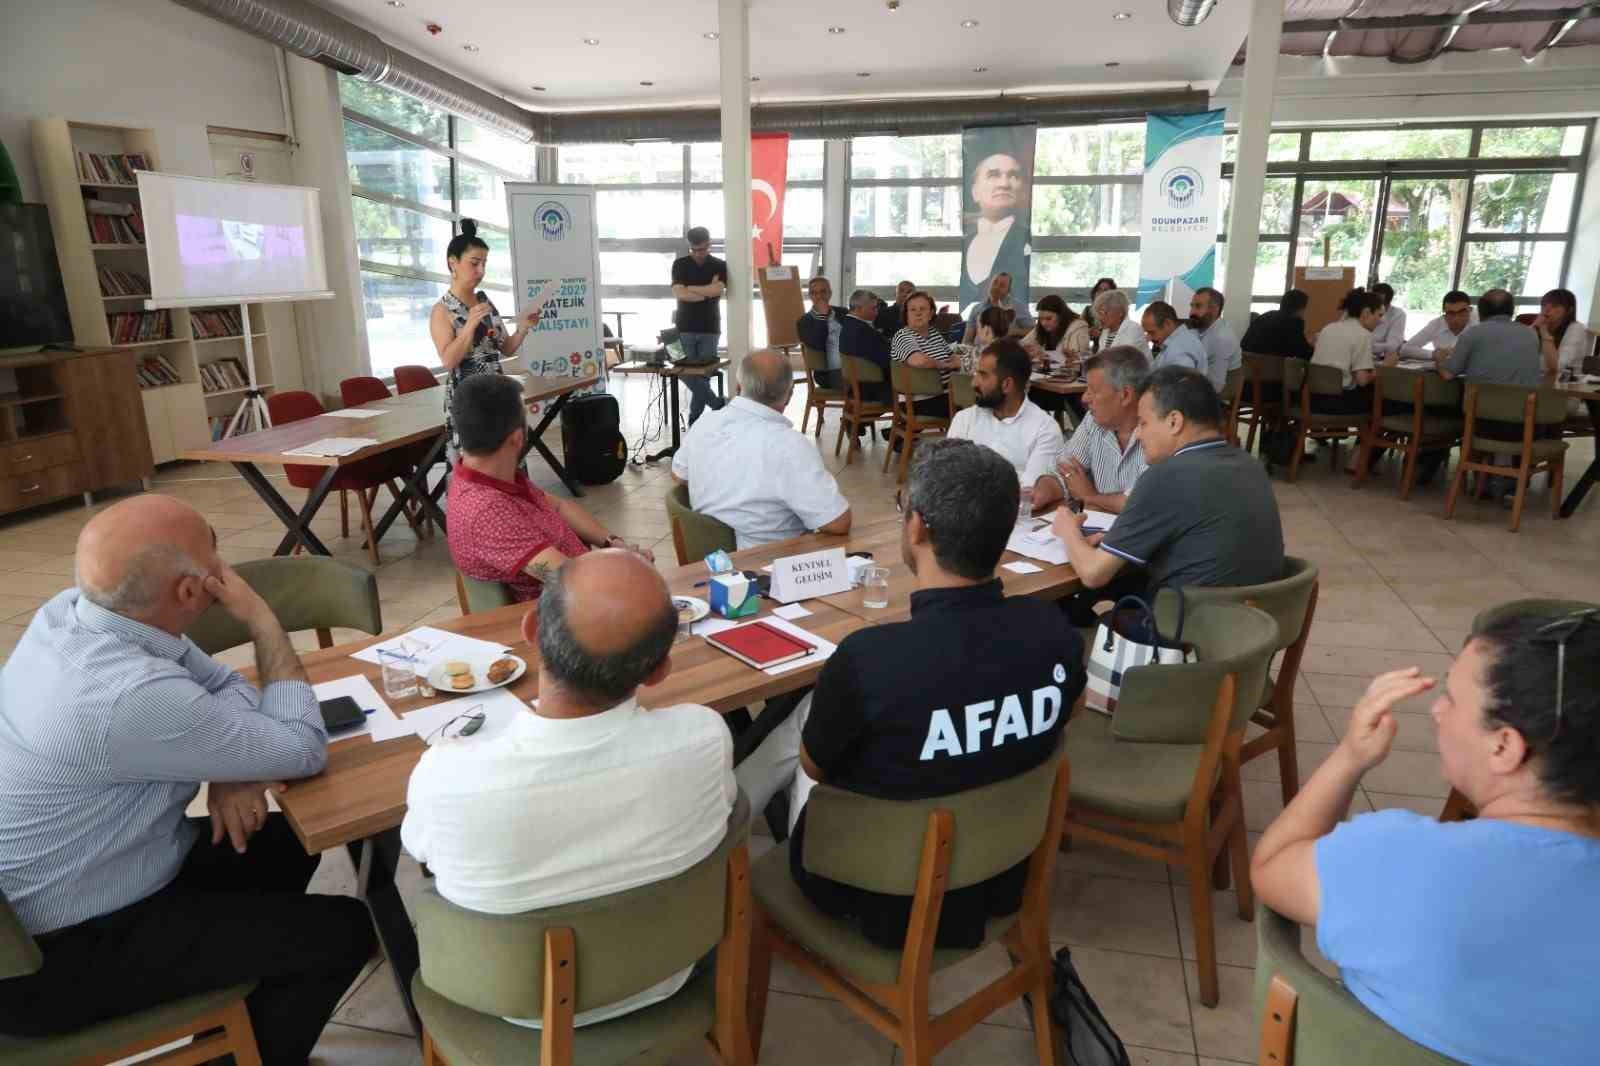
(1559, 632)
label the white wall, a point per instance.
(148, 63)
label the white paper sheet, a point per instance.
(499, 707)
(358, 688)
(1097, 521)
(542, 297)
(1037, 544)
(355, 412)
(792, 611)
(334, 446)
(1022, 568)
(431, 646)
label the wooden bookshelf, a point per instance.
(179, 416)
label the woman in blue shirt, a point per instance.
(1477, 939)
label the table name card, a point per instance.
(803, 577)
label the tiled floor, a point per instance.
(1399, 586)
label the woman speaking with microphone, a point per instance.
(467, 329)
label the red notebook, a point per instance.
(761, 645)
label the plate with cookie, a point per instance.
(476, 675)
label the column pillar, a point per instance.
(1254, 117)
(733, 23)
(835, 216)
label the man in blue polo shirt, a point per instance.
(1172, 343)
(1204, 513)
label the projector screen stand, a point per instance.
(252, 413)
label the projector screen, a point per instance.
(216, 241)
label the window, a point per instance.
(1390, 144)
(906, 157)
(1421, 233)
(1097, 150)
(1515, 141)
(415, 172)
(1523, 203)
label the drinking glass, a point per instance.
(875, 587)
(399, 673)
(1025, 504)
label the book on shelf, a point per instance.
(110, 169)
(117, 229)
(222, 323)
(219, 426)
(157, 370)
(135, 327)
(222, 375)
(123, 283)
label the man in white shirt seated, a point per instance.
(1441, 334)
(1003, 418)
(1103, 459)
(749, 468)
(1390, 335)
(585, 794)
(1117, 326)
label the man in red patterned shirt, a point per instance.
(503, 527)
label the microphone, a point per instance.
(484, 328)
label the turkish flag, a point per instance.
(769, 169)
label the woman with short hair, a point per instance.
(1477, 939)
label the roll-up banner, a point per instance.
(555, 263)
(1178, 231)
(997, 210)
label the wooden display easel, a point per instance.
(782, 303)
(1326, 287)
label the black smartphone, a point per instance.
(341, 713)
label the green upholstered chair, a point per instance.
(919, 849)
(1160, 778)
(1301, 381)
(910, 384)
(1261, 397)
(1416, 421)
(479, 969)
(1292, 602)
(305, 592)
(694, 535)
(962, 392)
(859, 416)
(818, 398)
(220, 1015)
(1541, 410)
(1310, 1019)
(475, 597)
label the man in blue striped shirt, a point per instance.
(109, 720)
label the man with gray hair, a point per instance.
(110, 718)
(1103, 459)
(586, 793)
(1116, 326)
(935, 704)
(749, 468)
(859, 336)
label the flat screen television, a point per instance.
(33, 300)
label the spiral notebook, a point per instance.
(761, 645)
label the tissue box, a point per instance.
(734, 596)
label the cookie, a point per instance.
(461, 681)
(501, 670)
(457, 668)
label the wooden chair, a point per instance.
(413, 378)
(475, 597)
(694, 535)
(353, 392)
(962, 392)
(859, 417)
(1234, 405)
(818, 399)
(479, 969)
(1160, 778)
(1262, 398)
(364, 478)
(1423, 428)
(1302, 380)
(1310, 1019)
(911, 384)
(1292, 603)
(304, 592)
(218, 1022)
(921, 849)
(1530, 408)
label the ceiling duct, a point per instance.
(1190, 12)
(307, 30)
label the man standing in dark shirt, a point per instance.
(1281, 332)
(938, 704)
(698, 281)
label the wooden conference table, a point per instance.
(359, 800)
(411, 418)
